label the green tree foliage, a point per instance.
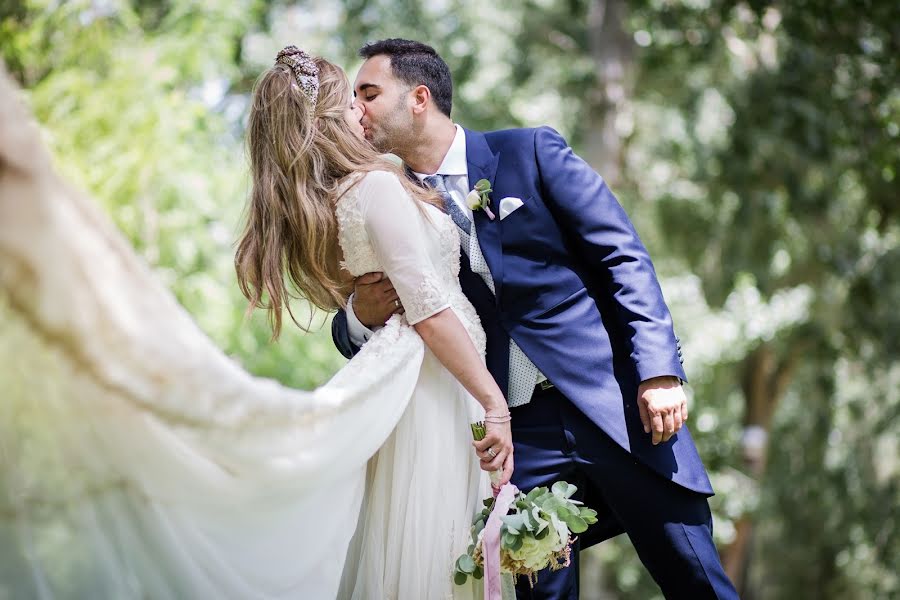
(793, 193)
(142, 104)
(755, 144)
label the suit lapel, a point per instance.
(482, 164)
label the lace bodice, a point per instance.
(382, 229)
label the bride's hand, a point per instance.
(495, 451)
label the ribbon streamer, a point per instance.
(491, 542)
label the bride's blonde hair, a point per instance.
(301, 150)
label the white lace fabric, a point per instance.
(382, 229)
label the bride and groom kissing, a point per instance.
(538, 304)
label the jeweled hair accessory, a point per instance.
(305, 71)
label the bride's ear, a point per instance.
(421, 98)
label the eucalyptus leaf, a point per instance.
(563, 512)
(508, 540)
(538, 519)
(589, 515)
(576, 524)
(535, 493)
(528, 521)
(515, 523)
(543, 498)
(466, 564)
(564, 489)
(551, 505)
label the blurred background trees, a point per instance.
(755, 145)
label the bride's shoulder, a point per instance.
(380, 187)
(380, 178)
(366, 183)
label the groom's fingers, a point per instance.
(668, 426)
(657, 425)
(645, 417)
(676, 414)
(375, 299)
(369, 278)
(394, 303)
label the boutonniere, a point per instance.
(479, 197)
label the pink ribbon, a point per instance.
(490, 542)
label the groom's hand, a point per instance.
(663, 407)
(375, 300)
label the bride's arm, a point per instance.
(398, 235)
(446, 337)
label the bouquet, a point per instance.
(536, 530)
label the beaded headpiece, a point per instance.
(305, 71)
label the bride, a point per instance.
(326, 208)
(155, 467)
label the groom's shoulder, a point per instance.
(518, 136)
(513, 135)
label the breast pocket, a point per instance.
(512, 209)
(530, 227)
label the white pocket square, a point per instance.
(508, 205)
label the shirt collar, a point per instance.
(455, 159)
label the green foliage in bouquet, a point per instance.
(536, 533)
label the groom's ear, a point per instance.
(421, 98)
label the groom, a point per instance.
(578, 333)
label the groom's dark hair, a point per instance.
(416, 63)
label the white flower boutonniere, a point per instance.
(479, 197)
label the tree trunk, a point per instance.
(612, 48)
(764, 383)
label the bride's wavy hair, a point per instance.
(301, 152)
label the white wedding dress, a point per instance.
(424, 485)
(139, 461)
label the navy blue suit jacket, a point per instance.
(575, 289)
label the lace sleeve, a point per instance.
(396, 229)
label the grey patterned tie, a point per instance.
(462, 221)
(523, 374)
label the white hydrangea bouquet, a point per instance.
(536, 531)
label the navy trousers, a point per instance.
(669, 526)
